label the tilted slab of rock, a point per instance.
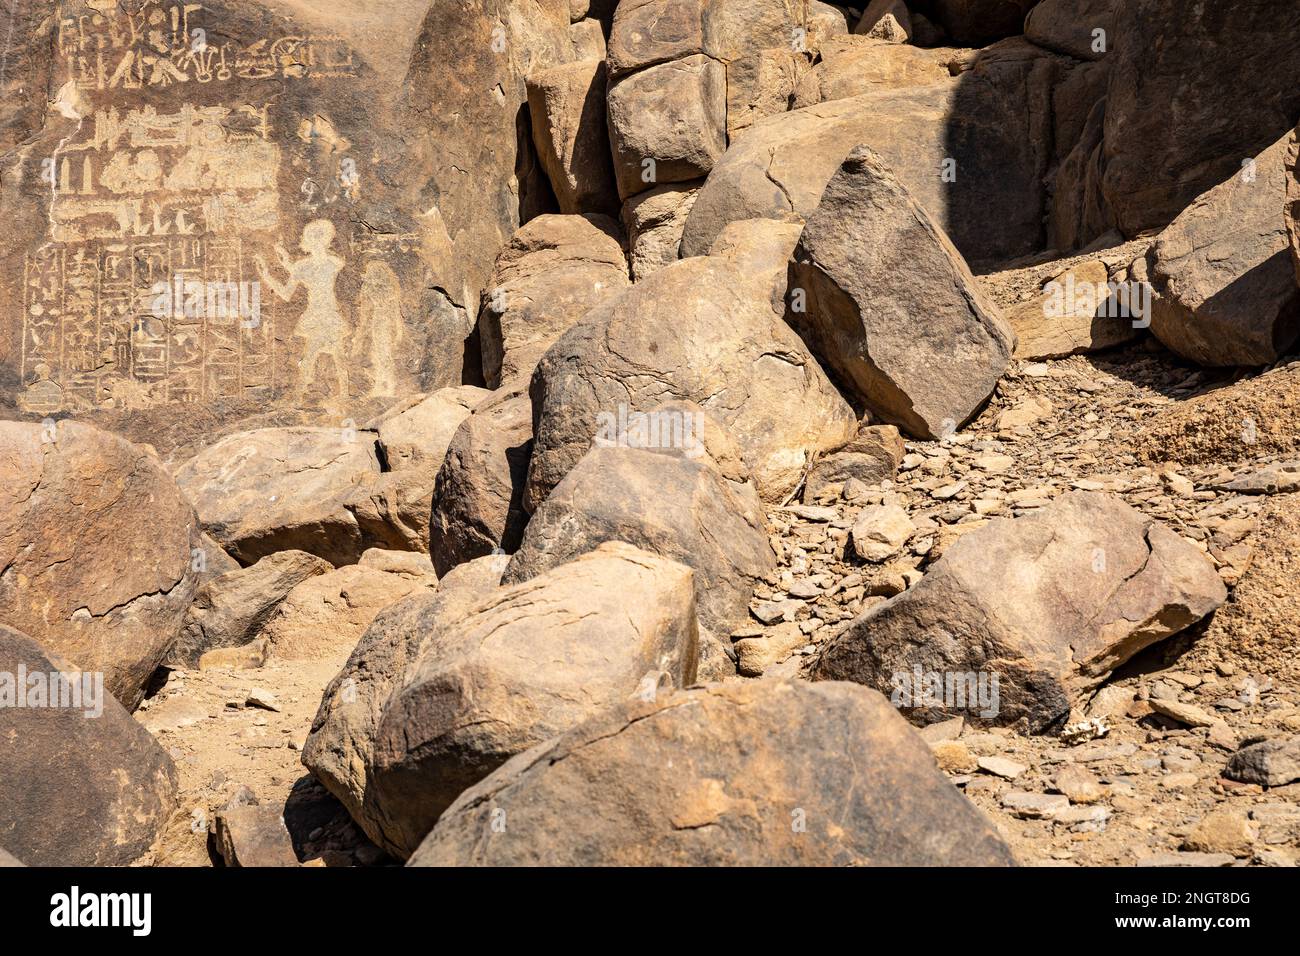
(567, 106)
(487, 680)
(1155, 168)
(756, 774)
(1047, 605)
(677, 505)
(81, 783)
(233, 207)
(1224, 280)
(891, 305)
(760, 247)
(478, 501)
(853, 65)
(281, 489)
(97, 547)
(552, 272)
(699, 330)
(872, 457)
(963, 145)
(230, 610)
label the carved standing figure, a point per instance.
(379, 317)
(321, 326)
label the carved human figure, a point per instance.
(321, 326)
(379, 318)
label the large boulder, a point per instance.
(1071, 27)
(393, 509)
(668, 122)
(97, 547)
(231, 609)
(1224, 282)
(699, 330)
(282, 489)
(759, 774)
(567, 105)
(853, 65)
(670, 502)
(963, 145)
(552, 272)
(891, 305)
(1031, 612)
(492, 679)
(478, 501)
(81, 783)
(1156, 167)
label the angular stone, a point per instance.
(74, 791)
(654, 221)
(488, 679)
(873, 264)
(1064, 320)
(98, 548)
(872, 457)
(1049, 605)
(283, 489)
(670, 502)
(880, 532)
(885, 20)
(567, 105)
(667, 123)
(249, 836)
(1269, 763)
(699, 330)
(765, 773)
(478, 501)
(1224, 281)
(553, 271)
(230, 610)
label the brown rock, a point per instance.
(654, 221)
(516, 669)
(723, 775)
(1070, 316)
(98, 549)
(74, 791)
(871, 262)
(1048, 605)
(567, 104)
(248, 836)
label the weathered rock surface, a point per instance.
(940, 139)
(885, 20)
(504, 674)
(567, 105)
(872, 457)
(1070, 27)
(231, 610)
(552, 272)
(670, 502)
(1269, 763)
(1050, 604)
(891, 305)
(654, 220)
(97, 547)
(699, 330)
(1072, 316)
(282, 489)
(1225, 289)
(392, 509)
(478, 503)
(331, 611)
(757, 774)
(80, 785)
(1156, 168)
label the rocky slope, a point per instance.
(667, 432)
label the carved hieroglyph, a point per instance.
(177, 177)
